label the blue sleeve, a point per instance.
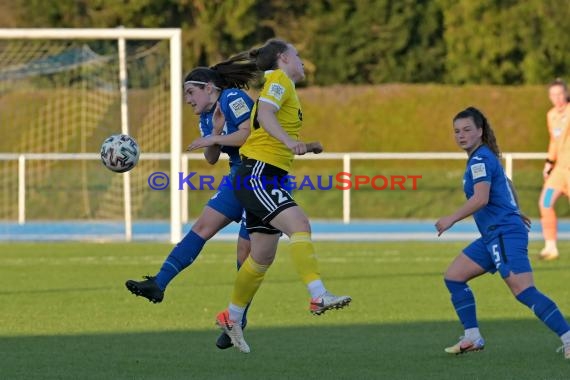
(481, 169)
(236, 106)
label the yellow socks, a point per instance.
(304, 258)
(249, 278)
(251, 274)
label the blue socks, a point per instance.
(545, 309)
(182, 256)
(463, 302)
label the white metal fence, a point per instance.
(346, 159)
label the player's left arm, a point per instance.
(552, 151)
(526, 219)
(233, 139)
(212, 151)
(266, 115)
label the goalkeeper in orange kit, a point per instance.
(557, 166)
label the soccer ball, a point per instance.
(120, 153)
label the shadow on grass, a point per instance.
(230, 281)
(57, 290)
(517, 349)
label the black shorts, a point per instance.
(261, 189)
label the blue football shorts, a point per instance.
(504, 253)
(225, 202)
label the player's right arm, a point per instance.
(478, 200)
(315, 147)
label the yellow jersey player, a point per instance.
(261, 187)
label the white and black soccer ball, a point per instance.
(120, 153)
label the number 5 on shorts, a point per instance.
(496, 255)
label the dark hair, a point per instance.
(561, 83)
(266, 56)
(481, 122)
(235, 72)
(241, 68)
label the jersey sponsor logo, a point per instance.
(478, 171)
(276, 90)
(239, 107)
(557, 132)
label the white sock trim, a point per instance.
(236, 312)
(316, 288)
(473, 333)
(550, 244)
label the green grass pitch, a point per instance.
(65, 314)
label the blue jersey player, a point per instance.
(215, 93)
(503, 245)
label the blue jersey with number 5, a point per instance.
(501, 212)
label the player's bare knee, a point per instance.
(456, 273)
(204, 229)
(303, 226)
(452, 276)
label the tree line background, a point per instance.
(503, 42)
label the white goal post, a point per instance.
(175, 61)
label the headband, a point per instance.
(200, 82)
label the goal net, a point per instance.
(62, 92)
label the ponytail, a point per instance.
(235, 72)
(239, 70)
(266, 56)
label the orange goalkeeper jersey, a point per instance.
(559, 145)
